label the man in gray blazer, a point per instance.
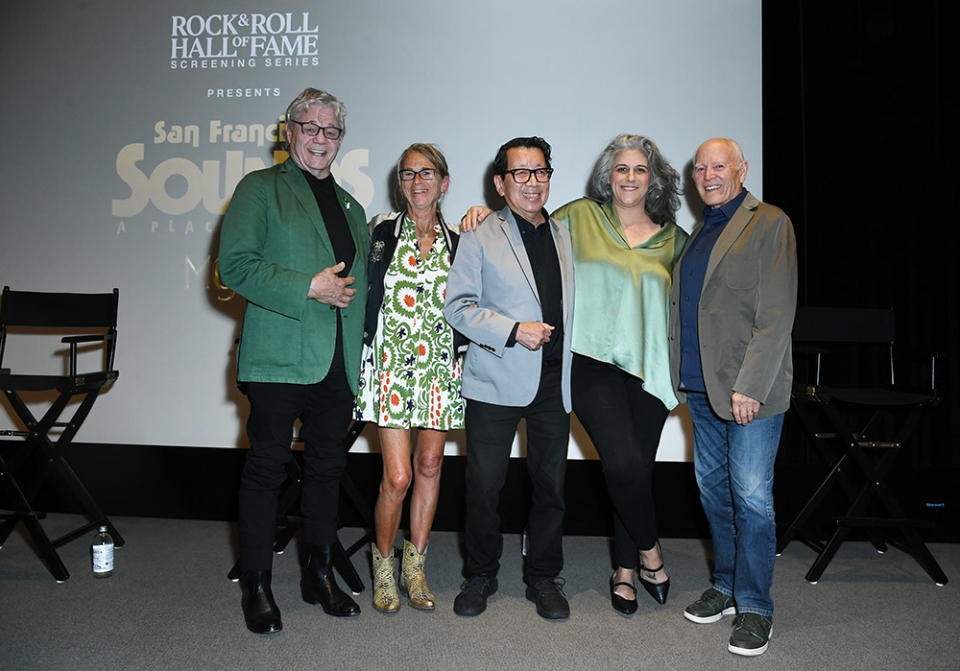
(510, 291)
(732, 304)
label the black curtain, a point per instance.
(856, 141)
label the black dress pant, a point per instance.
(624, 422)
(324, 409)
(490, 432)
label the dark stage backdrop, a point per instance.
(855, 141)
(855, 150)
(856, 138)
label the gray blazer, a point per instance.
(746, 310)
(491, 287)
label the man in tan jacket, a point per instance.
(731, 313)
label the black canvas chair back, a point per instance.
(856, 325)
(35, 308)
(62, 311)
(816, 329)
(860, 428)
(90, 321)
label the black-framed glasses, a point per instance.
(522, 175)
(426, 174)
(312, 129)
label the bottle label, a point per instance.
(102, 558)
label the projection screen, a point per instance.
(126, 126)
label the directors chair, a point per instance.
(860, 431)
(35, 316)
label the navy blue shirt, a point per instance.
(693, 269)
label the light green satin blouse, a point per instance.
(622, 293)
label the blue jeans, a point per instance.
(734, 468)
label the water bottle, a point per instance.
(101, 552)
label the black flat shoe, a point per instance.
(658, 590)
(621, 605)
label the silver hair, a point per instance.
(663, 193)
(311, 96)
(736, 145)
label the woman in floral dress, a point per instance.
(410, 373)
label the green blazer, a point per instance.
(272, 243)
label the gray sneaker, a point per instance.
(710, 607)
(751, 634)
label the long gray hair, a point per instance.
(663, 194)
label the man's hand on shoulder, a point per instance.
(473, 217)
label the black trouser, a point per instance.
(324, 409)
(490, 432)
(624, 422)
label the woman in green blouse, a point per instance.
(624, 247)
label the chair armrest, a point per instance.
(74, 340)
(84, 338)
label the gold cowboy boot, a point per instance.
(385, 597)
(412, 581)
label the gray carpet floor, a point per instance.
(169, 605)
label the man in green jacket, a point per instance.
(294, 244)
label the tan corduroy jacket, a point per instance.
(746, 309)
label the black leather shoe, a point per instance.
(472, 599)
(658, 590)
(259, 609)
(619, 603)
(319, 586)
(547, 593)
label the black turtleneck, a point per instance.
(334, 219)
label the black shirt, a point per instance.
(542, 254)
(343, 249)
(334, 219)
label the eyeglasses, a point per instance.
(426, 174)
(312, 129)
(522, 175)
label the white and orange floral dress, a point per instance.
(409, 374)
